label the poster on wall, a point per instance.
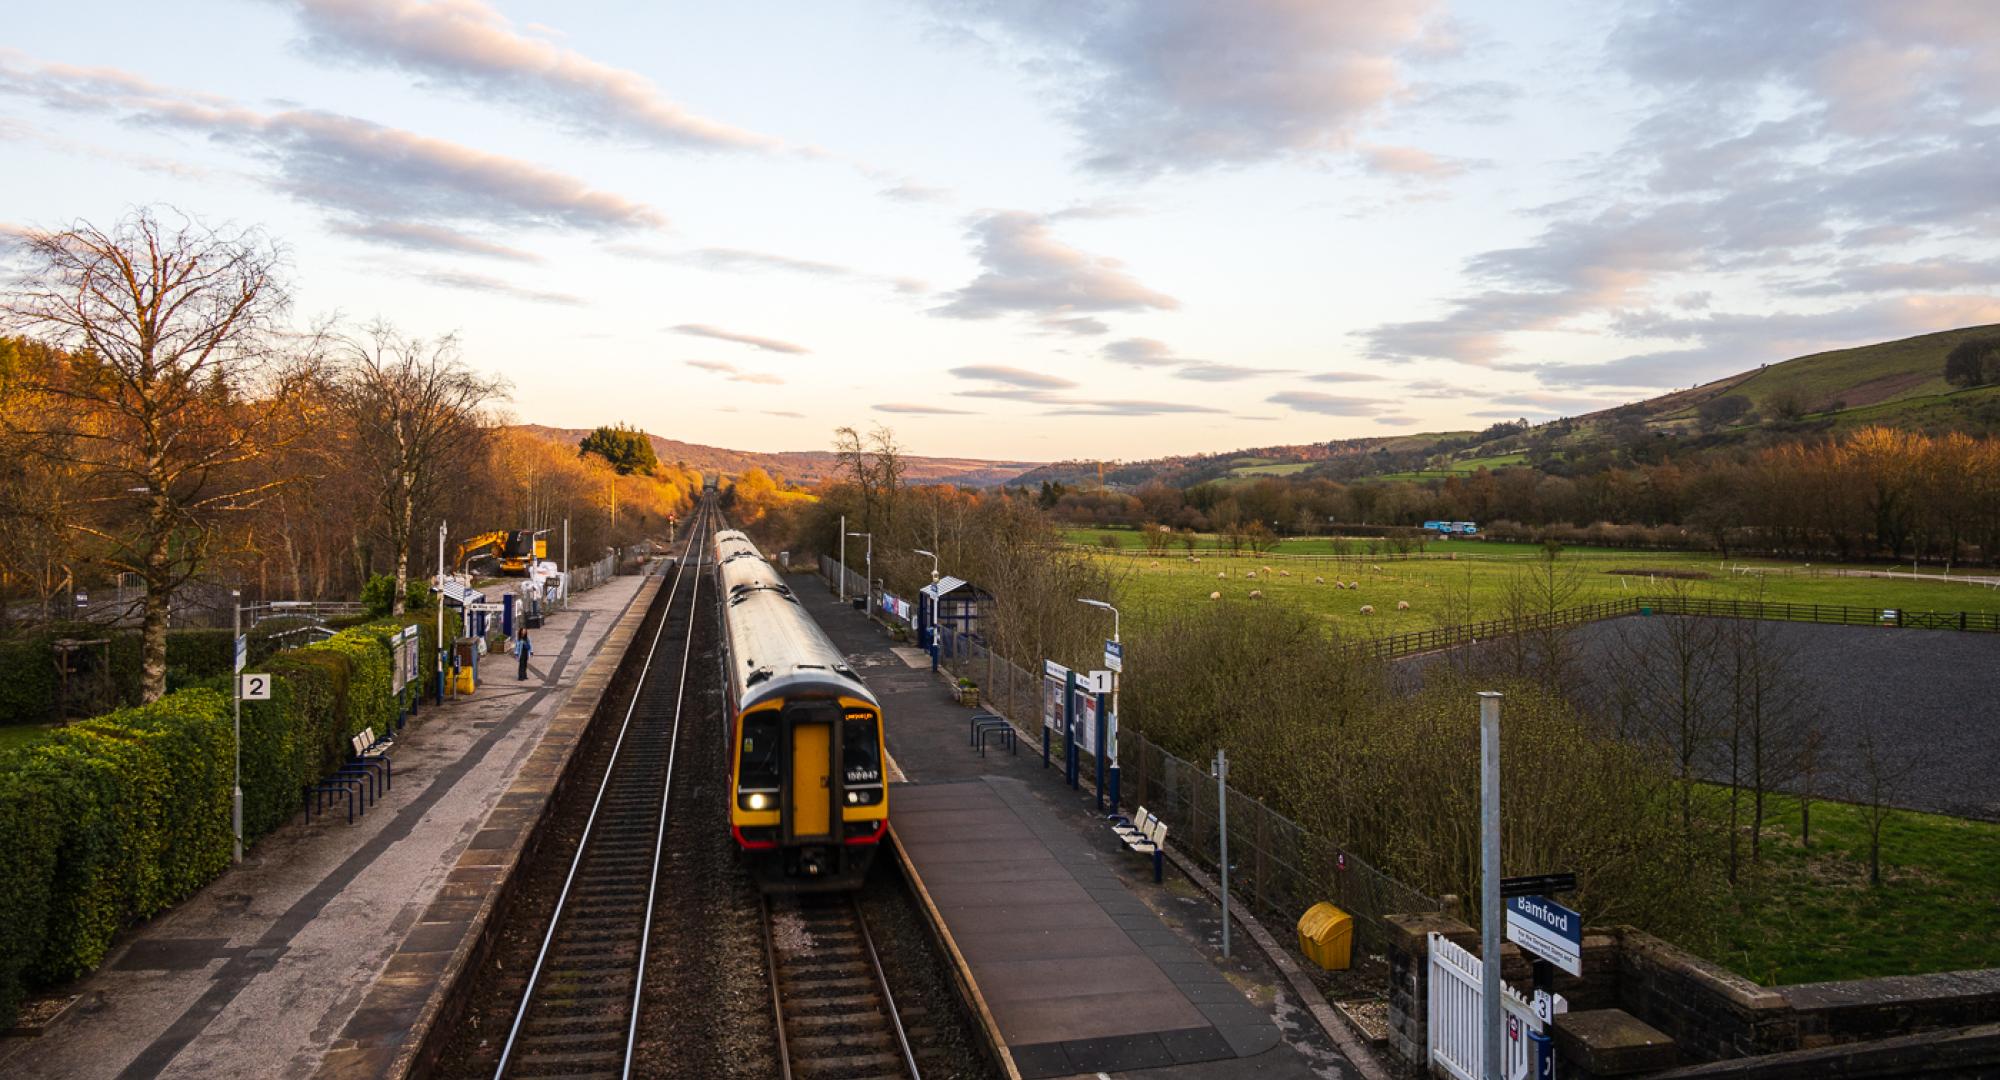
(1055, 681)
(1086, 722)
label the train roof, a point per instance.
(774, 647)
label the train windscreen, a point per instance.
(758, 778)
(861, 758)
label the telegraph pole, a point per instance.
(1489, 883)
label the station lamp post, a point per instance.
(1110, 750)
(933, 606)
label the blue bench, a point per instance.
(360, 778)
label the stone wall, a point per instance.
(1712, 1014)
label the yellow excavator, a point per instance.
(514, 550)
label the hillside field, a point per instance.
(1148, 588)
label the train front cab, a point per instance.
(812, 804)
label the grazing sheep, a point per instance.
(1266, 569)
(1284, 573)
(1256, 594)
(1215, 596)
(1402, 605)
(1375, 569)
(1368, 609)
(1319, 581)
(1155, 562)
(1222, 573)
(1251, 574)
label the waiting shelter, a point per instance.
(949, 613)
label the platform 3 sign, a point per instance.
(1548, 930)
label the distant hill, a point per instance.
(1892, 383)
(807, 466)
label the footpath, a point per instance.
(257, 974)
(1084, 965)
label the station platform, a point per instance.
(266, 970)
(1079, 963)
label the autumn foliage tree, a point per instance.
(169, 329)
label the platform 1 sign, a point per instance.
(1548, 930)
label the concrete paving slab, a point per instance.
(309, 921)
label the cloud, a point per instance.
(1411, 163)
(1027, 271)
(1130, 408)
(1012, 376)
(907, 409)
(470, 282)
(737, 374)
(1081, 325)
(1726, 343)
(785, 413)
(1142, 352)
(752, 340)
(1343, 377)
(469, 46)
(744, 261)
(1395, 421)
(362, 172)
(1769, 147)
(1313, 401)
(1862, 276)
(1188, 85)
(911, 192)
(1203, 371)
(417, 236)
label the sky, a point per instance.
(1048, 229)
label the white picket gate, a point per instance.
(1455, 1017)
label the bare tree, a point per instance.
(171, 326)
(418, 415)
(1772, 720)
(1669, 676)
(1880, 770)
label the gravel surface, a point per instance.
(947, 1045)
(1931, 698)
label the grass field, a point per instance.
(1272, 468)
(1809, 914)
(18, 735)
(1148, 587)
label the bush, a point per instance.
(29, 686)
(121, 816)
(381, 588)
(114, 819)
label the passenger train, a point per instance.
(810, 803)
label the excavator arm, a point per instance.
(488, 543)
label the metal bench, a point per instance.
(1147, 835)
(370, 751)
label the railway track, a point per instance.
(579, 1010)
(836, 1019)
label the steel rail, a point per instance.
(610, 769)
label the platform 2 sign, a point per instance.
(1548, 930)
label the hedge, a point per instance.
(114, 819)
(108, 821)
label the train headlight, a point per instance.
(758, 801)
(853, 797)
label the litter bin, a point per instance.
(1326, 936)
(860, 604)
(465, 664)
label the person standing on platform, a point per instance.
(523, 649)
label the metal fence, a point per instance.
(587, 576)
(830, 569)
(1276, 866)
